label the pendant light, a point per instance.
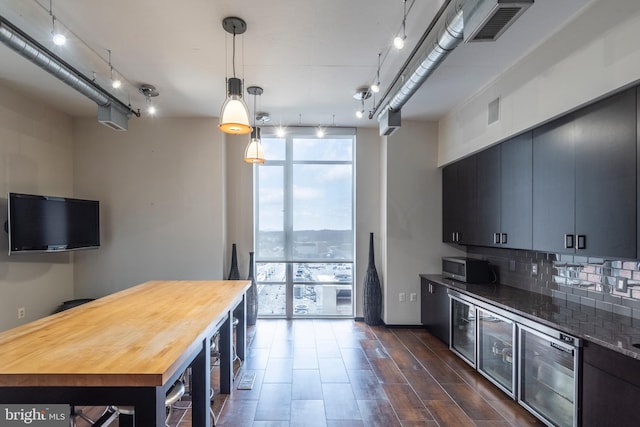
(398, 42)
(254, 153)
(234, 116)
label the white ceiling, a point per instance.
(310, 56)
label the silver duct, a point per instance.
(442, 38)
(31, 50)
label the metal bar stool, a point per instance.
(174, 394)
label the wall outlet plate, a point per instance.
(621, 284)
(534, 269)
(512, 265)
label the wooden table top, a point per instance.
(136, 337)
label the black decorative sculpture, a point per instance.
(252, 295)
(372, 291)
(234, 273)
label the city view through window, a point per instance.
(304, 228)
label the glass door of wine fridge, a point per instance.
(463, 330)
(548, 376)
(496, 355)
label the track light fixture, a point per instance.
(398, 42)
(149, 91)
(375, 88)
(234, 116)
(361, 94)
(58, 38)
(254, 153)
(115, 81)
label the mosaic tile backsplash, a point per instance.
(610, 285)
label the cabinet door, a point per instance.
(450, 213)
(554, 185)
(488, 188)
(435, 309)
(516, 216)
(459, 201)
(606, 177)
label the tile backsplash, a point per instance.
(606, 284)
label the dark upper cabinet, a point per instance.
(584, 180)
(504, 187)
(606, 140)
(488, 196)
(434, 309)
(459, 201)
(553, 185)
(516, 213)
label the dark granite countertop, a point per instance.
(604, 328)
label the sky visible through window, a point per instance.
(322, 190)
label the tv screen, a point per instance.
(52, 224)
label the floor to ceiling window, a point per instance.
(304, 227)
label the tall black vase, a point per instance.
(234, 273)
(252, 295)
(372, 291)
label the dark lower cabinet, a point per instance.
(434, 309)
(610, 388)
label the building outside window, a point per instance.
(304, 228)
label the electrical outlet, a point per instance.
(621, 284)
(512, 265)
(413, 296)
(22, 312)
(402, 297)
(534, 269)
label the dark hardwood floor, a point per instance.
(344, 373)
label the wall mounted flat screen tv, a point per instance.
(52, 224)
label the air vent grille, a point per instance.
(486, 20)
(496, 24)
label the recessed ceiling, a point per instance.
(310, 56)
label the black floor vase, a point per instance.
(234, 273)
(252, 295)
(372, 291)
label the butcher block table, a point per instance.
(127, 348)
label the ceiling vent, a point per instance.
(486, 20)
(389, 121)
(113, 117)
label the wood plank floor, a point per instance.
(344, 373)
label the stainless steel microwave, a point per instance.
(468, 270)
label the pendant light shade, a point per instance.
(254, 153)
(234, 116)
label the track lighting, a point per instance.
(115, 81)
(281, 132)
(320, 132)
(398, 42)
(58, 38)
(375, 88)
(149, 91)
(361, 94)
(234, 116)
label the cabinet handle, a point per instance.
(582, 241)
(430, 288)
(568, 241)
(503, 238)
(457, 237)
(496, 238)
(453, 236)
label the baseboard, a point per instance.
(405, 326)
(359, 319)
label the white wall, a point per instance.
(36, 154)
(160, 185)
(238, 204)
(413, 218)
(598, 52)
